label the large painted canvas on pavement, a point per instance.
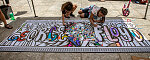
(77, 34)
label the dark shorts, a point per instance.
(86, 13)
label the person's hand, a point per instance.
(123, 8)
(64, 24)
(95, 25)
(94, 20)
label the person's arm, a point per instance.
(63, 19)
(101, 21)
(92, 20)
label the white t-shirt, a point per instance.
(95, 10)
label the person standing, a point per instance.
(2, 17)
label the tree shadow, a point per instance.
(20, 13)
(121, 16)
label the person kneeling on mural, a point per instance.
(67, 10)
(94, 13)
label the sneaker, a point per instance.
(137, 2)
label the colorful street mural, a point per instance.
(76, 33)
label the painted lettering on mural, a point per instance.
(76, 34)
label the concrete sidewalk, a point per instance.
(51, 8)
